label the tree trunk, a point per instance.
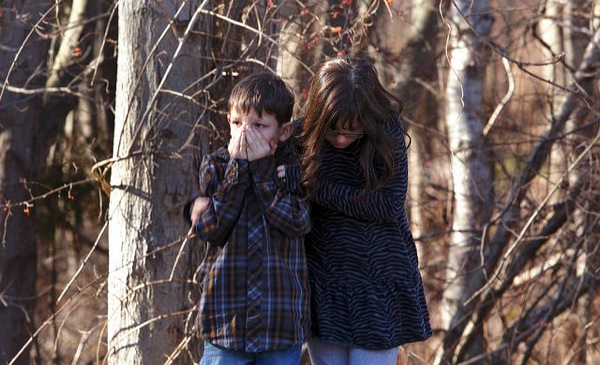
(73, 56)
(471, 172)
(574, 49)
(552, 41)
(407, 70)
(152, 177)
(300, 46)
(418, 61)
(19, 113)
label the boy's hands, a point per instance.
(250, 144)
(258, 145)
(237, 146)
(200, 205)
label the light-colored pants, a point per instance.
(326, 353)
(215, 355)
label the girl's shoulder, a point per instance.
(394, 128)
(395, 125)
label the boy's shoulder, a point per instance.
(220, 155)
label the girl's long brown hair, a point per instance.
(348, 89)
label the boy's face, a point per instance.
(266, 125)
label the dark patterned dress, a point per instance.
(366, 288)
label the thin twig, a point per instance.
(189, 235)
(505, 99)
(33, 30)
(83, 263)
(175, 354)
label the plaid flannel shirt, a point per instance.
(255, 294)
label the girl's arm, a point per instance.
(385, 204)
(281, 199)
(226, 198)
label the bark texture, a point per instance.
(152, 177)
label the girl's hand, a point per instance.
(258, 145)
(199, 207)
(281, 171)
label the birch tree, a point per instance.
(562, 43)
(471, 173)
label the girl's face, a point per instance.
(341, 137)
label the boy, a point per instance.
(254, 306)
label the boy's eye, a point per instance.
(259, 125)
(235, 122)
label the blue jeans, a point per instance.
(326, 353)
(215, 355)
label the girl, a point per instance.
(367, 296)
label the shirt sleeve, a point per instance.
(281, 200)
(385, 204)
(226, 198)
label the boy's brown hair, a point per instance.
(263, 91)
